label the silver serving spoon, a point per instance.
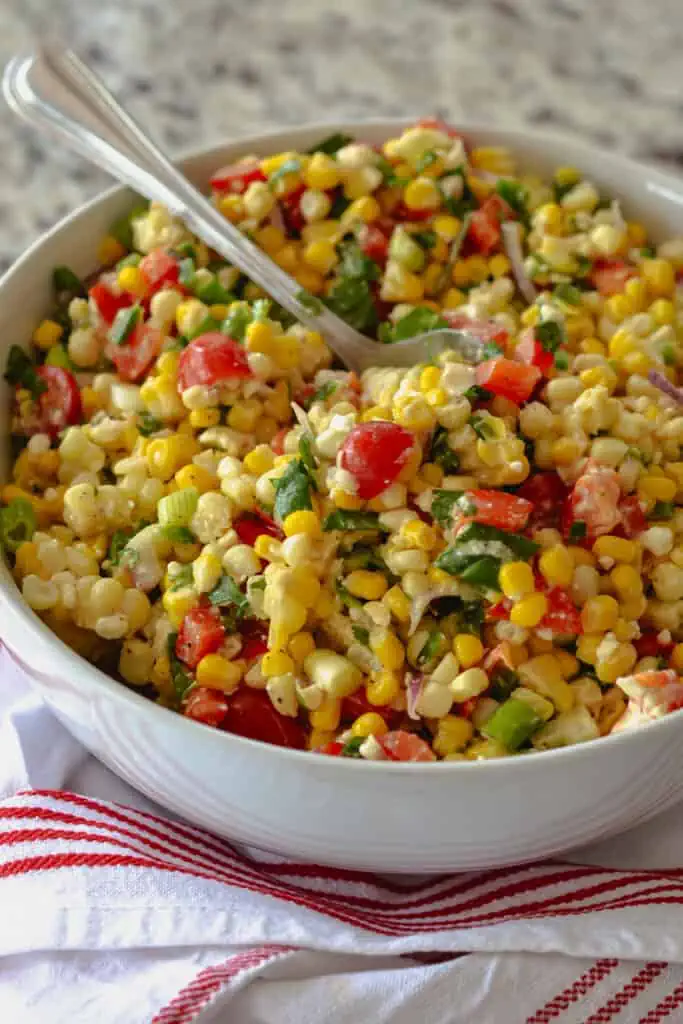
(53, 90)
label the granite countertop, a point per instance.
(197, 71)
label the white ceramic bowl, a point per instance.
(380, 816)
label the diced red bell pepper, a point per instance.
(610, 276)
(136, 355)
(500, 611)
(648, 645)
(332, 749)
(251, 525)
(290, 206)
(484, 234)
(108, 304)
(508, 379)
(496, 508)
(562, 615)
(374, 243)
(251, 714)
(530, 351)
(403, 212)
(237, 177)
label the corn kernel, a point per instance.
(468, 649)
(259, 460)
(569, 665)
(453, 733)
(322, 172)
(201, 419)
(276, 663)
(369, 724)
(384, 689)
(398, 604)
(636, 363)
(656, 488)
(303, 521)
(422, 194)
(619, 663)
(342, 499)
(592, 347)
(454, 298)
(516, 579)
(196, 476)
(618, 308)
(499, 265)
(599, 614)
(327, 715)
(660, 277)
(321, 256)
(133, 281)
(47, 334)
(218, 673)
(529, 611)
(432, 473)
(429, 378)
(677, 658)
(388, 649)
(177, 604)
(618, 548)
(663, 312)
(419, 534)
(621, 343)
(557, 565)
(565, 451)
(301, 645)
(446, 226)
(362, 583)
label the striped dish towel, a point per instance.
(112, 913)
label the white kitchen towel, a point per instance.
(112, 912)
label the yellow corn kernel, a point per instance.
(663, 312)
(656, 488)
(133, 281)
(287, 257)
(499, 265)
(301, 645)
(322, 172)
(259, 460)
(366, 208)
(454, 298)
(635, 362)
(342, 499)
(432, 473)
(429, 378)
(477, 268)
(27, 561)
(47, 334)
(259, 337)
(599, 614)
(200, 419)
(677, 658)
(370, 586)
(569, 665)
(303, 521)
(384, 689)
(327, 715)
(637, 235)
(529, 610)
(496, 159)
(516, 579)
(437, 398)
(660, 276)
(592, 347)
(397, 603)
(196, 476)
(422, 194)
(369, 724)
(321, 255)
(231, 206)
(269, 238)
(544, 675)
(619, 663)
(621, 343)
(388, 648)
(452, 734)
(109, 251)
(276, 663)
(304, 587)
(218, 673)
(557, 565)
(419, 534)
(446, 226)
(375, 412)
(468, 649)
(267, 547)
(177, 604)
(567, 176)
(618, 548)
(309, 279)
(244, 415)
(565, 451)
(219, 311)
(167, 364)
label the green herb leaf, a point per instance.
(515, 195)
(183, 578)
(389, 176)
(427, 239)
(350, 296)
(351, 519)
(668, 355)
(293, 490)
(322, 393)
(428, 159)
(550, 334)
(213, 293)
(503, 682)
(441, 452)
(663, 510)
(433, 647)
(567, 293)
(309, 302)
(339, 205)
(478, 394)
(119, 539)
(561, 360)
(520, 548)
(417, 321)
(182, 681)
(332, 144)
(22, 372)
(17, 524)
(291, 166)
(361, 635)
(560, 191)
(352, 747)
(64, 280)
(577, 531)
(227, 593)
(491, 351)
(186, 273)
(148, 424)
(443, 505)
(308, 458)
(207, 325)
(125, 322)
(346, 597)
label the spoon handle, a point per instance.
(54, 90)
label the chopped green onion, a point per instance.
(550, 334)
(663, 510)
(17, 523)
(561, 360)
(361, 635)
(125, 322)
(178, 534)
(58, 356)
(352, 747)
(236, 322)
(567, 293)
(148, 424)
(213, 293)
(441, 452)
(577, 531)
(177, 509)
(122, 229)
(332, 144)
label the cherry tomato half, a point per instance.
(374, 243)
(135, 357)
(251, 714)
(610, 276)
(205, 705)
(237, 177)
(405, 746)
(60, 406)
(530, 351)
(485, 233)
(508, 379)
(595, 501)
(201, 633)
(160, 269)
(547, 494)
(562, 615)
(374, 454)
(497, 508)
(210, 359)
(254, 635)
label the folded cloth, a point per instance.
(113, 912)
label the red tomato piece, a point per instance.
(290, 206)
(210, 359)
(237, 177)
(562, 615)
(251, 714)
(500, 611)
(595, 501)
(332, 749)
(499, 656)
(134, 358)
(278, 442)
(610, 276)
(648, 645)
(484, 234)
(60, 406)
(508, 379)
(160, 269)
(205, 705)
(201, 633)
(375, 453)
(374, 243)
(633, 518)
(108, 304)
(547, 494)
(485, 330)
(497, 508)
(254, 635)
(403, 212)
(530, 351)
(405, 746)
(251, 525)
(358, 704)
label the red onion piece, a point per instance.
(665, 385)
(414, 684)
(513, 247)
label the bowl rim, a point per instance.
(10, 593)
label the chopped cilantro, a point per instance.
(390, 178)
(491, 351)
(428, 159)
(148, 424)
(663, 510)
(64, 281)
(308, 458)
(322, 393)
(293, 490)
(567, 293)
(550, 334)
(119, 539)
(361, 635)
(561, 190)
(515, 195)
(22, 372)
(352, 747)
(226, 592)
(432, 648)
(561, 360)
(351, 297)
(427, 239)
(577, 531)
(339, 204)
(418, 321)
(351, 519)
(331, 144)
(441, 452)
(478, 394)
(668, 355)
(309, 302)
(443, 505)
(182, 681)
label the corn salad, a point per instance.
(448, 562)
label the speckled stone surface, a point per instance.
(196, 71)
